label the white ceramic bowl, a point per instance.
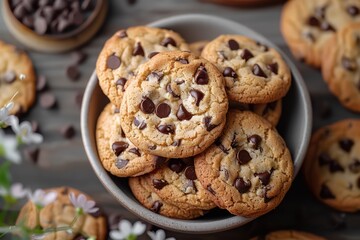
(295, 126)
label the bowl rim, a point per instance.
(188, 226)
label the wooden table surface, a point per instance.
(63, 162)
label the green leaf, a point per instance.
(5, 177)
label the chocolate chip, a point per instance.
(190, 173)
(19, 11)
(334, 166)
(9, 77)
(324, 159)
(182, 60)
(226, 173)
(241, 185)
(233, 45)
(353, 10)
(73, 73)
(49, 13)
(168, 41)
(264, 177)
(152, 54)
(67, 131)
(189, 186)
(138, 50)
(119, 147)
(76, 18)
(348, 64)
(163, 110)
(262, 46)
(40, 25)
(209, 188)
(246, 55)
(201, 76)
(135, 151)
(122, 34)
(121, 163)
(229, 72)
(176, 143)
(60, 5)
(78, 57)
(159, 161)
(234, 144)
(87, 5)
(121, 82)
(113, 62)
(274, 67)
(255, 141)
(325, 192)
(325, 26)
(63, 24)
(47, 100)
(41, 83)
(169, 90)
(355, 166)
(243, 157)
(147, 106)
(197, 95)
(256, 70)
(166, 129)
(221, 146)
(208, 125)
(179, 81)
(346, 144)
(156, 207)
(313, 21)
(159, 183)
(157, 76)
(176, 165)
(140, 125)
(183, 114)
(32, 154)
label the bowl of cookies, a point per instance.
(195, 123)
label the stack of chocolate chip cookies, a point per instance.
(169, 127)
(326, 34)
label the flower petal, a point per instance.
(117, 235)
(49, 198)
(125, 227)
(160, 234)
(73, 199)
(139, 228)
(152, 235)
(81, 200)
(17, 191)
(89, 204)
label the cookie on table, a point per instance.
(176, 106)
(146, 195)
(249, 168)
(61, 213)
(270, 111)
(126, 50)
(341, 66)
(307, 25)
(13, 63)
(332, 165)
(254, 73)
(117, 154)
(176, 182)
(197, 47)
(289, 235)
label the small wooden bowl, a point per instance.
(54, 43)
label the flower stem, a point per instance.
(3, 213)
(8, 229)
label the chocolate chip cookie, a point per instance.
(288, 235)
(13, 63)
(332, 165)
(146, 195)
(61, 213)
(124, 52)
(341, 66)
(307, 24)
(254, 73)
(197, 47)
(248, 169)
(176, 182)
(117, 154)
(176, 106)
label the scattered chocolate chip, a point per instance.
(208, 125)
(241, 185)
(201, 76)
(234, 144)
(209, 188)
(119, 147)
(155, 76)
(159, 161)
(135, 151)
(176, 165)
(325, 26)
(257, 71)
(163, 110)
(121, 163)
(346, 144)
(73, 72)
(182, 114)
(121, 82)
(152, 54)
(229, 72)
(41, 83)
(32, 154)
(156, 207)
(197, 95)
(334, 166)
(147, 106)
(113, 62)
(168, 41)
(255, 141)
(47, 100)
(176, 143)
(313, 21)
(182, 60)
(264, 177)
(355, 166)
(9, 77)
(67, 131)
(190, 173)
(122, 133)
(40, 25)
(166, 129)
(243, 157)
(60, 5)
(226, 173)
(19, 11)
(179, 81)
(140, 125)
(122, 34)
(169, 90)
(325, 192)
(274, 67)
(246, 55)
(138, 50)
(221, 146)
(159, 183)
(348, 64)
(78, 57)
(233, 45)
(353, 10)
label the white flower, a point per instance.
(80, 202)
(40, 198)
(16, 191)
(25, 133)
(126, 230)
(159, 235)
(8, 148)
(5, 118)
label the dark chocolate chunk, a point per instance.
(209, 188)
(197, 95)
(346, 144)
(182, 60)
(121, 163)
(325, 192)
(113, 62)
(348, 64)
(163, 110)
(233, 45)
(122, 34)
(152, 54)
(246, 55)
(135, 151)
(190, 173)
(159, 161)
(334, 166)
(241, 185)
(155, 75)
(201, 76)
(140, 125)
(159, 183)
(40, 25)
(183, 114)
(256, 70)
(353, 10)
(313, 21)
(147, 106)
(156, 207)
(49, 13)
(73, 72)
(138, 50)
(243, 157)
(255, 141)
(234, 144)
(9, 77)
(176, 165)
(166, 41)
(47, 100)
(229, 72)
(169, 90)
(176, 143)
(166, 129)
(41, 83)
(19, 11)
(226, 173)
(264, 177)
(67, 131)
(121, 82)
(179, 81)
(354, 167)
(274, 67)
(221, 146)
(208, 125)
(60, 5)
(119, 147)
